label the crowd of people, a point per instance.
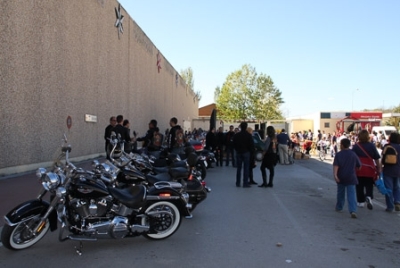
(356, 167)
(238, 146)
(360, 163)
(153, 140)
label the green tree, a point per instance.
(187, 76)
(245, 95)
(394, 121)
(217, 91)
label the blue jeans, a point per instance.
(242, 159)
(392, 183)
(230, 152)
(351, 197)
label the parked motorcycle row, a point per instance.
(131, 195)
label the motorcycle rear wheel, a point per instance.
(164, 225)
(21, 235)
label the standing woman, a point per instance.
(270, 158)
(369, 156)
(391, 175)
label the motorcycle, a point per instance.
(137, 169)
(89, 209)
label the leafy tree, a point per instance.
(394, 121)
(217, 91)
(246, 95)
(187, 76)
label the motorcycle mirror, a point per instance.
(95, 163)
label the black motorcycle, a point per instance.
(89, 209)
(134, 169)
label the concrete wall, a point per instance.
(65, 58)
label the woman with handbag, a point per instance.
(370, 168)
(270, 158)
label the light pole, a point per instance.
(352, 99)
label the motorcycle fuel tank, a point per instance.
(88, 188)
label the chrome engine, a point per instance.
(100, 218)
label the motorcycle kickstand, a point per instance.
(78, 249)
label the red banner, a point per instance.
(367, 115)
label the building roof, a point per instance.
(206, 111)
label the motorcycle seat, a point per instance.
(179, 172)
(152, 179)
(159, 170)
(131, 197)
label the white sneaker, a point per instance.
(369, 202)
(360, 205)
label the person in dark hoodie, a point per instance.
(172, 140)
(244, 147)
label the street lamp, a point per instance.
(352, 99)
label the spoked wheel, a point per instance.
(162, 225)
(22, 235)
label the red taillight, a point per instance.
(165, 195)
(203, 183)
(198, 147)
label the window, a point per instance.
(325, 115)
(326, 125)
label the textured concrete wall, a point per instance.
(64, 58)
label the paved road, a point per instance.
(240, 227)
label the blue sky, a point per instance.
(323, 55)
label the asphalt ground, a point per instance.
(293, 224)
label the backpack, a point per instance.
(157, 140)
(179, 138)
(389, 155)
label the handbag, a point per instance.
(380, 185)
(367, 168)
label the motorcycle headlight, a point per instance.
(50, 181)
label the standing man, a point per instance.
(244, 146)
(220, 146)
(283, 144)
(107, 134)
(230, 151)
(122, 131)
(172, 143)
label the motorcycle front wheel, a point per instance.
(22, 236)
(162, 225)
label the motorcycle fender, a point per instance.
(169, 195)
(23, 212)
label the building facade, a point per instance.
(66, 67)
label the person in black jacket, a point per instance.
(211, 140)
(107, 134)
(147, 139)
(270, 158)
(123, 132)
(220, 146)
(229, 148)
(171, 140)
(244, 147)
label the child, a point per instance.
(344, 172)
